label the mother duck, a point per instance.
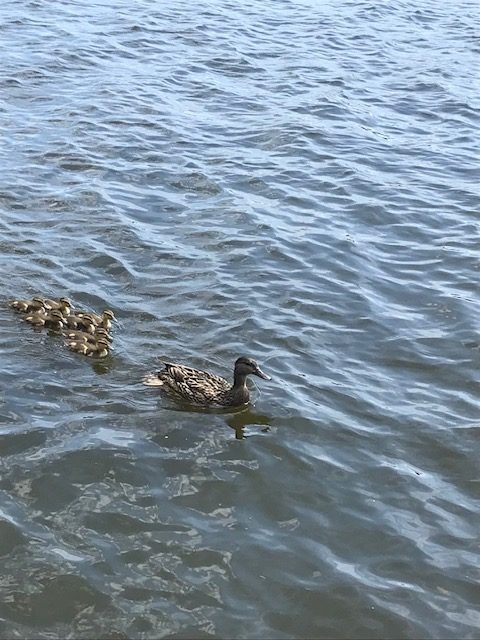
(204, 388)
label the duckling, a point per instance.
(84, 336)
(37, 317)
(99, 349)
(26, 306)
(52, 320)
(83, 323)
(63, 304)
(103, 320)
(101, 332)
(206, 389)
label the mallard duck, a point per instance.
(84, 336)
(98, 349)
(52, 320)
(102, 320)
(63, 304)
(26, 306)
(207, 389)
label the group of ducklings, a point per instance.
(84, 332)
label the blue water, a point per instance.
(296, 181)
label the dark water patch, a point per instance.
(55, 600)
(10, 537)
(14, 443)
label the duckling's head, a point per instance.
(103, 334)
(65, 304)
(108, 313)
(102, 343)
(247, 366)
(89, 326)
(56, 314)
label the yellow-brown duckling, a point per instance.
(97, 349)
(27, 306)
(84, 336)
(80, 323)
(52, 320)
(63, 304)
(104, 319)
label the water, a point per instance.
(293, 181)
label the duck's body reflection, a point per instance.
(239, 420)
(242, 419)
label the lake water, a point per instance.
(295, 181)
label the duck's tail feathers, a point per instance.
(152, 380)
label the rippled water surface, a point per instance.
(297, 181)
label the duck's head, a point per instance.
(247, 366)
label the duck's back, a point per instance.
(194, 385)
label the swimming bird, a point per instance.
(63, 304)
(85, 336)
(83, 323)
(101, 319)
(204, 388)
(52, 320)
(26, 306)
(98, 349)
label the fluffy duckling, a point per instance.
(52, 320)
(63, 304)
(102, 320)
(206, 389)
(83, 323)
(27, 306)
(101, 332)
(98, 349)
(84, 336)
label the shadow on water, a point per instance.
(102, 366)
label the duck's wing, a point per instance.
(195, 377)
(175, 373)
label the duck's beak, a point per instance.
(258, 372)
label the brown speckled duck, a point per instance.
(204, 388)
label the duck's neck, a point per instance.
(239, 380)
(240, 389)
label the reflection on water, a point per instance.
(237, 418)
(239, 421)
